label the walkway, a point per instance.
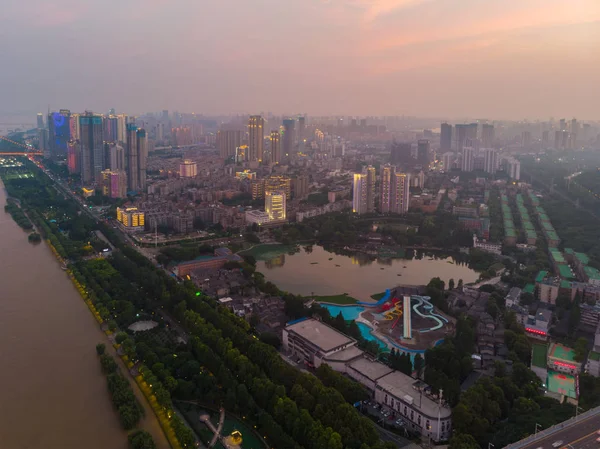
(215, 430)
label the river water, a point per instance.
(312, 272)
(52, 392)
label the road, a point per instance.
(581, 435)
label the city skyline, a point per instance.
(499, 60)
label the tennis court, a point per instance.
(561, 352)
(562, 384)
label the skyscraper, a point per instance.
(110, 125)
(371, 178)
(400, 153)
(288, 137)
(256, 137)
(445, 137)
(301, 186)
(122, 128)
(59, 132)
(228, 140)
(132, 157)
(275, 205)
(275, 141)
(142, 154)
(487, 135)
(423, 148)
(114, 183)
(400, 193)
(40, 120)
(490, 160)
(359, 194)
(301, 129)
(461, 137)
(467, 159)
(74, 157)
(92, 147)
(387, 172)
(116, 157)
(448, 159)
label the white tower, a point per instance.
(407, 318)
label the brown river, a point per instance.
(52, 392)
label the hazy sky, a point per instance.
(445, 58)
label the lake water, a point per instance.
(311, 272)
(53, 394)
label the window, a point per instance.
(412, 415)
(419, 419)
(428, 425)
(405, 411)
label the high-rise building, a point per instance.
(466, 163)
(400, 193)
(423, 148)
(256, 137)
(545, 139)
(472, 131)
(59, 132)
(512, 167)
(74, 157)
(40, 120)
(142, 153)
(526, 138)
(258, 188)
(445, 137)
(288, 137)
(42, 134)
(132, 157)
(275, 204)
(561, 140)
(448, 159)
(188, 169)
(573, 136)
(74, 126)
(111, 128)
(181, 136)
(92, 147)
(387, 173)
(116, 157)
(301, 129)
(461, 137)
(301, 186)
(228, 140)
(122, 128)
(279, 183)
(114, 183)
(359, 194)
(487, 135)
(490, 160)
(400, 153)
(371, 179)
(275, 147)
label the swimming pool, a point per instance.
(365, 331)
(348, 312)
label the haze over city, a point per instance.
(498, 59)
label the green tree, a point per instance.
(100, 348)
(580, 349)
(140, 439)
(463, 441)
(451, 284)
(419, 363)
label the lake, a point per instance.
(310, 271)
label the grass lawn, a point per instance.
(337, 299)
(378, 296)
(539, 357)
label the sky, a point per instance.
(494, 59)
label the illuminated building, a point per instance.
(400, 193)
(74, 126)
(132, 158)
(92, 147)
(59, 132)
(256, 138)
(246, 174)
(386, 188)
(74, 157)
(142, 154)
(181, 136)
(241, 153)
(359, 196)
(288, 137)
(131, 218)
(188, 169)
(446, 137)
(275, 205)
(228, 140)
(114, 183)
(282, 183)
(256, 216)
(275, 141)
(258, 189)
(87, 192)
(370, 189)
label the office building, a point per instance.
(74, 126)
(466, 163)
(92, 147)
(188, 169)
(275, 147)
(359, 193)
(289, 130)
(59, 132)
(114, 183)
(131, 218)
(279, 183)
(448, 159)
(490, 160)
(487, 135)
(256, 138)
(40, 120)
(258, 188)
(423, 148)
(387, 172)
(142, 153)
(275, 205)
(132, 157)
(400, 193)
(301, 186)
(445, 137)
(228, 140)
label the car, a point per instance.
(558, 443)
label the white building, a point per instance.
(483, 245)
(256, 216)
(359, 194)
(448, 160)
(513, 168)
(490, 160)
(466, 163)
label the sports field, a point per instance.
(561, 352)
(562, 384)
(539, 353)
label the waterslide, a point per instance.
(428, 307)
(382, 301)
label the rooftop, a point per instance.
(319, 334)
(565, 272)
(529, 288)
(400, 385)
(592, 273)
(541, 276)
(370, 369)
(582, 258)
(351, 352)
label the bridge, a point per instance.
(22, 153)
(28, 150)
(579, 432)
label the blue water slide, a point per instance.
(382, 301)
(428, 307)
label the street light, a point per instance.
(490, 446)
(536, 428)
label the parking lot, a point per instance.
(392, 427)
